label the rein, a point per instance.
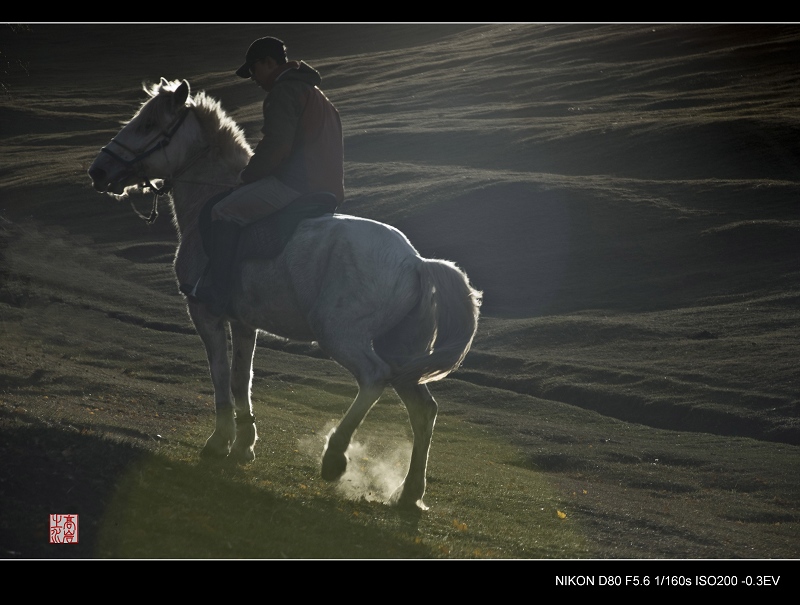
(154, 210)
(166, 188)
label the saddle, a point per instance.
(268, 237)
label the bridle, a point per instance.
(166, 138)
(130, 158)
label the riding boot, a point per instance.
(215, 287)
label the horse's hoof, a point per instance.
(401, 500)
(213, 452)
(242, 456)
(409, 505)
(333, 465)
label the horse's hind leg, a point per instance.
(422, 410)
(371, 373)
(243, 341)
(212, 332)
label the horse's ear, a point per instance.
(163, 82)
(182, 93)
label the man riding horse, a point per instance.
(301, 152)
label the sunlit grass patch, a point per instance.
(483, 504)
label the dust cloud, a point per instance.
(375, 468)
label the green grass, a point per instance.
(167, 505)
(106, 418)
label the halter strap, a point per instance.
(161, 144)
(165, 140)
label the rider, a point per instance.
(302, 151)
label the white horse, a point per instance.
(357, 287)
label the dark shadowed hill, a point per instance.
(626, 196)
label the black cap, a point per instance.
(263, 47)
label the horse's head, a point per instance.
(147, 147)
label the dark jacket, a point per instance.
(302, 145)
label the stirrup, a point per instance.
(215, 299)
(190, 291)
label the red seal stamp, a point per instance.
(63, 529)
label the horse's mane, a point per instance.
(229, 139)
(226, 137)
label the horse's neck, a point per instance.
(208, 176)
(205, 174)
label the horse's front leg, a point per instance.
(213, 332)
(243, 341)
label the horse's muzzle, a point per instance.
(104, 184)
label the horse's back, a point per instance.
(352, 233)
(338, 272)
(358, 265)
(268, 237)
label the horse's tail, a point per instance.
(436, 336)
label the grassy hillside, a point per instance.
(624, 195)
